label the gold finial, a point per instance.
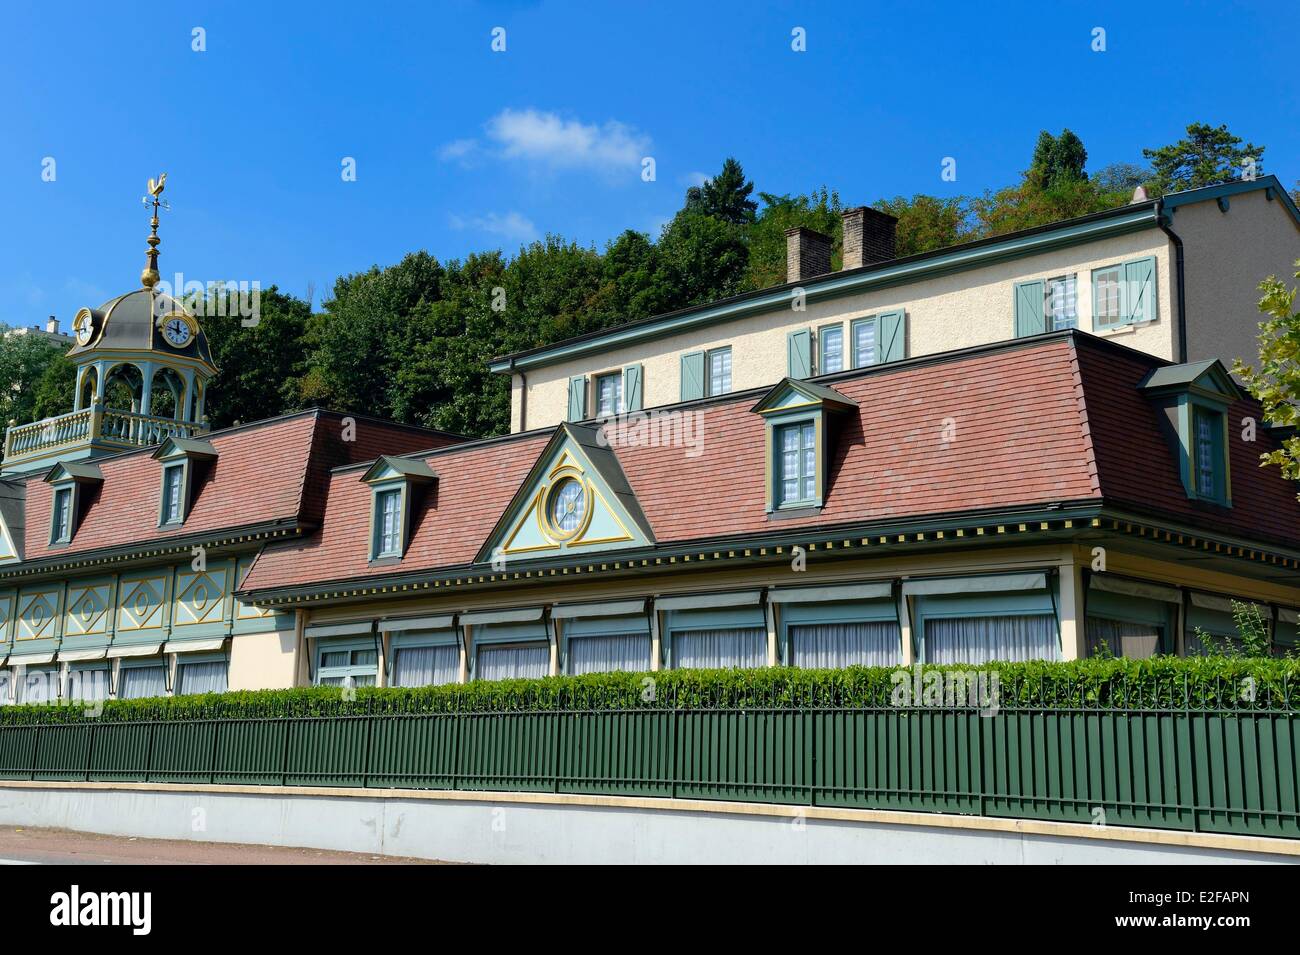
(149, 277)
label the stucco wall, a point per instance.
(262, 661)
(544, 828)
(1227, 255)
(959, 310)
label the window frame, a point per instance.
(854, 325)
(1126, 318)
(1049, 322)
(1198, 410)
(177, 687)
(822, 333)
(778, 464)
(721, 350)
(350, 646)
(164, 512)
(63, 493)
(382, 493)
(619, 399)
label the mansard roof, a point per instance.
(1057, 421)
(263, 475)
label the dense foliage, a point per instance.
(1163, 683)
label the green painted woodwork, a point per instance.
(577, 398)
(1196, 769)
(798, 348)
(692, 376)
(1029, 298)
(633, 388)
(891, 327)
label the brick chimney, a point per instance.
(807, 254)
(868, 236)
(52, 325)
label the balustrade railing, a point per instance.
(110, 426)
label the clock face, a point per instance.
(177, 332)
(83, 326)
(568, 505)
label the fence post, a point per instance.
(456, 721)
(370, 736)
(1191, 749)
(672, 751)
(287, 722)
(36, 748)
(90, 751)
(212, 765)
(148, 751)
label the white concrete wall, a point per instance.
(1226, 256)
(959, 310)
(558, 830)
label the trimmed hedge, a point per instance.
(1160, 683)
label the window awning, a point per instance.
(990, 583)
(872, 591)
(1135, 588)
(30, 659)
(1224, 604)
(72, 656)
(1287, 615)
(194, 646)
(354, 628)
(137, 650)
(481, 617)
(615, 608)
(399, 624)
(741, 598)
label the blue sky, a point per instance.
(458, 147)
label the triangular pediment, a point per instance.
(575, 499)
(390, 468)
(1208, 378)
(791, 393)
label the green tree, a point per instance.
(260, 366)
(55, 389)
(726, 196)
(926, 223)
(701, 258)
(1207, 155)
(1058, 160)
(1275, 382)
(23, 361)
(1121, 177)
(819, 210)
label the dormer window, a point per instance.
(799, 420)
(1195, 399)
(181, 459)
(173, 510)
(395, 484)
(61, 532)
(69, 480)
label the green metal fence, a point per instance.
(1214, 770)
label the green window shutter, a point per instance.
(798, 346)
(577, 398)
(692, 375)
(632, 387)
(892, 331)
(1140, 290)
(1029, 309)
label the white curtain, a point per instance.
(829, 645)
(38, 686)
(136, 683)
(88, 684)
(981, 639)
(202, 677)
(506, 661)
(604, 653)
(426, 666)
(745, 647)
(1137, 641)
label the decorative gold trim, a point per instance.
(558, 477)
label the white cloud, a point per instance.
(549, 138)
(458, 149)
(511, 225)
(695, 178)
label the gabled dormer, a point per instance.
(183, 459)
(1194, 399)
(800, 434)
(575, 498)
(71, 483)
(395, 488)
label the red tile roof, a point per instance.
(1027, 424)
(272, 471)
